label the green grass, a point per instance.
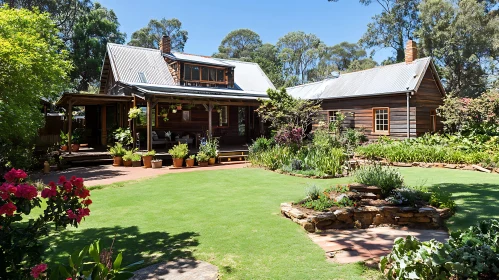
(231, 219)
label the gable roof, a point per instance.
(395, 78)
(128, 61)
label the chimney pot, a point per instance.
(411, 51)
(165, 46)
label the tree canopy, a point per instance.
(150, 36)
(240, 43)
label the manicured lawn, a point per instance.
(231, 219)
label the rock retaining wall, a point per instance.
(365, 216)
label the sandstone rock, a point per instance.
(307, 225)
(408, 209)
(445, 213)
(405, 215)
(295, 213)
(450, 166)
(368, 196)
(378, 219)
(324, 224)
(328, 216)
(426, 210)
(468, 167)
(340, 197)
(438, 164)
(344, 215)
(421, 219)
(415, 164)
(479, 168)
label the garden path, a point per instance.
(355, 245)
(108, 174)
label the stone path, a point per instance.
(178, 270)
(108, 174)
(356, 245)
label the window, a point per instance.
(203, 74)
(224, 116)
(186, 116)
(142, 77)
(195, 73)
(241, 114)
(433, 119)
(188, 72)
(220, 75)
(142, 119)
(332, 116)
(381, 120)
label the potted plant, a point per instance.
(173, 108)
(212, 149)
(147, 158)
(136, 157)
(127, 158)
(75, 140)
(189, 162)
(117, 152)
(178, 153)
(202, 159)
(179, 107)
(134, 113)
(64, 141)
(157, 163)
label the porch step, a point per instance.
(232, 156)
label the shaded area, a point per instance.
(179, 269)
(87, 173)
(148, 246)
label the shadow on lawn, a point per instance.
(474, 202)
(149, 246)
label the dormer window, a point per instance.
(204, 74)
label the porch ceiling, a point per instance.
(82, 99)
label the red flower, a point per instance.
(52, 184)
(62, 179)
(78, 182)
(38, 269)
(82, 193)
(71, 214)
(26, 191)
(68, 187)
(6, 189)
(15, 174)
(87, 201)
(8, 209)
(49, 192)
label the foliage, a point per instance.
(32, 66)
(267, 57)
(151, 35)
(136, 156)
(20, 246)
(384, 177)
(289, 136)
(123, 136)
(128, 155)
(210, 147)
(413, 197)
(64, 138)
(442, 199)
(134, 113)
(240, 43)
(323, 202)
(117, 150)
(261, 144)
(149, 153)
(313, 192)
(77, 136)
(179, 151)
(202, 157)
(101, 266)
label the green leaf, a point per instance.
(94, 251)
(132, 265)
(117, 261)
(63, 272)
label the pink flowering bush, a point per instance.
(21, 251)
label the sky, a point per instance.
(208, 22)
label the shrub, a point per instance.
(409, 196)
(123, 136)
(313, 192)
(322, 203)
(296, 164)
(136, 157)
(442, 199)
(289, 136)
(202, 157)
(128, 155)
(261, 144)
(384, 177)
(117, 150)
(179, 151)
(149, 153)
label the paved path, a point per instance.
(178, 270)
(355, 245)
(108, 174)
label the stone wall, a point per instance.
(365, 216)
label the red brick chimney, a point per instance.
(411, 51)
(165, 46)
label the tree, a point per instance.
(460, 38)
(33, 65)
(299, 53)
(92, 32)
(150, 36)
(362, 64)
(267, 57)
(240, 43)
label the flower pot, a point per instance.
(117, 161)
(64, 147)
(174, 111)
(179, 107)
(136, 163)
(147, 161)
(189, 162)
(177, 162)
(127, 163)
(157, 164)
(211, 161)
(203, 163)
(75, 147)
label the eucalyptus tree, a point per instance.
(240, 43)
(150, 36)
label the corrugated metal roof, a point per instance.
(395, 78)
(198, 58)
(127, 62)
(249, 76)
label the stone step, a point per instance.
(365, 189)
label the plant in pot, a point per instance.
(75, 140)
(212, 149)
(117, 151)
(202, 159)
(127, 158)
(136, 157)
(189, 162)
(64, 141)
(157, 163)
(178, 153)
(147, 158)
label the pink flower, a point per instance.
(38, 269)
(26, 191)
(6, 189)
(8, 209)
(62, 179)
(15, 174)
(49, 192)
(68, 187)
(71, 214)
(82, 193)
(87, 201)
(78, 182)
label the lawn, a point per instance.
(231, 219)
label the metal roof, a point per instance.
(127, 62)
(249, 76)
(197, 59)
(389, 79)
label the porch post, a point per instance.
(149, 125)
(103, 120)
(70, 123)
(210, 113)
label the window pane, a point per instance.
(220, 75)
(381, 120)
(241, 120)
(195, 73)
(213, 74)
(187, 72)
(204, 75)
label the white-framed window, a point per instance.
(224, 116)
(332, 116)
(381, 120)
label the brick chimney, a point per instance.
(411, 51)
(165, 46)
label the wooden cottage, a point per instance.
(398, 100)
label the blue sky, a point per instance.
(209, 21)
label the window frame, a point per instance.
(202, 68)
(332, 115)
(433, 120)
(374, 130)
(221, 122)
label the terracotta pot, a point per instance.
(179, 107)
(75, 147)
(212, 161)
(137, 163)
(117, 161)
(203, 163)
(127, 163)
(189, 162)
(157, 164)
(177, 162)
(147, 161)
(64, 147)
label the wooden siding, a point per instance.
(427, 98)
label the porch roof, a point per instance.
(81, 99)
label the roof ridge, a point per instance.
(236, 60)
(312, 83)
(133, 47)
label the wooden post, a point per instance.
(70, 123)
(210, 116)
(103, 121)
(149, 124)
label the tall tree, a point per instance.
(92, 32)
(150, 36)
(33, 65)
(240, 43)
(267, 56)
(299, 53)
(460, 37)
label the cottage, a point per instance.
(398, 100)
